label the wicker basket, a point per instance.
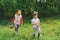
(11, 25)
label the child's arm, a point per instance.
(13, 20)
(33, 23)
(21, 21)
(38, 24)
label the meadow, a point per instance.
(50, 30)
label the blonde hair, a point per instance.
(19, 12)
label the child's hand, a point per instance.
(21, 24)
(38, 24)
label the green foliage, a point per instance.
(45, 9)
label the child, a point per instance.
(17, 20)
(35, 22)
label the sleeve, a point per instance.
(13, 19)
(38, 20)
(32, 21)
(21, 20)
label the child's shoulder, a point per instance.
(20, 15)
(38, 19)
(15, 15)
(32, 19)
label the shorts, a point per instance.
(36, 28)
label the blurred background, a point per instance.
(45, 8)
(49, 15)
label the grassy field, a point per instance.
(50, 30)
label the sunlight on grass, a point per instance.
(49, 31)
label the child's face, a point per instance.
(36, 16)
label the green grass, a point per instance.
(50, 30)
